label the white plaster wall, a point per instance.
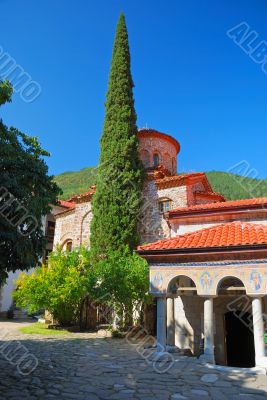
(181, 229)
(6, 291)
(188, 311)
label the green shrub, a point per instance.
(59, 288)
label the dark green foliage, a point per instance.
(25, 182)
(119, 282)
(73, 183)
(235, 187)
(117, 202)
(124, 278)
(6, 91)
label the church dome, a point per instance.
(157, 148)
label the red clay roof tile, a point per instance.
(223, 235)
(66, 204)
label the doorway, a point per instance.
(240, 351)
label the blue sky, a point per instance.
(191, 80)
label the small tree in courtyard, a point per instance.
(59, 288)
(123, 278)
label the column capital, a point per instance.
(171, 295)
(159, 295)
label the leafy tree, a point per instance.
(59, 288)
(123, 278)
(119, 281)
(117, 202)
(26, 192)
(6, 92)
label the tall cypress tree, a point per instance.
(117, 202)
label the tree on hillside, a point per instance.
(26, 190)
(117, 202)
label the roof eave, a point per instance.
(204, 250)
(171, 215)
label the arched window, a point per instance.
(165, 205)
(69, 245)
(145, 158)
(179, 282)
(155, 159)
(231, 285)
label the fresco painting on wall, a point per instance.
(157, 281)
(255, 279)
(206, 281)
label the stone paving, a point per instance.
(91, 367)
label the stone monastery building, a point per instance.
(207, 257)
(164, 190)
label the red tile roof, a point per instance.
(152, 132)
(66, 204)
(210, 195)
(261, 201)
(223, 235)
(83, 197)
(186, 179)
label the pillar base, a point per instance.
(207, 358)
(160, 356)
(261, 362)
(172, 349)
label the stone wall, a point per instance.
(74, 225)
(152, 225)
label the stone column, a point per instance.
(161, 324)
(170, 321)
(208, 355)
(181, 340)
(258, 328)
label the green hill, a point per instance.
(75, 182)
(233, 187)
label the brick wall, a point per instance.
(148, 146)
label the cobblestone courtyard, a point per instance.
(86, 366)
